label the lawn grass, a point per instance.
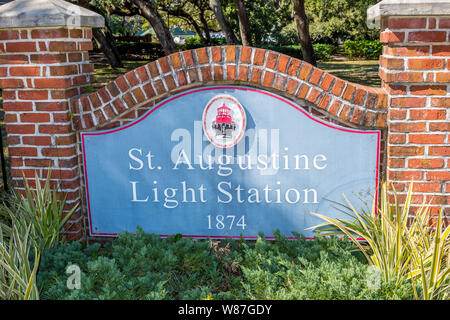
(104, 73)
(363, 72)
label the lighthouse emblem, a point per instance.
(224, 121)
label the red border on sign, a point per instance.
(84, 134)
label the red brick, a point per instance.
(397, 138)
(338, 87)
(438, 175)
(46, 83)
(35, 117)
(439, 126)
(58, 152)
(9, 35)
(11, 83)
(37, 140)
(202, 55)
(303, 90)
(76, 33)
(441, 50)
(444, 23)
(324, 101)
(259, 57)
(427, 36)
(426, 163)
(440, 102)
(427, 114)
(396, 163)
(21, 47)
(426, 138)
(428, 90)
(33, 94)
(405, 175)
(408, 127)
(397, 114)
(164, 65)
(153, 69)
(392, 37)
(345, 112)
(49, 33)
(305, 71)
(439, 151)
(22, 151)
(335, 106)
(282, 63)
(174, 59)
(326, 82)
(348, 92)
(405, 150)
(63, 70)
(425, 64)
(442, 77)
(243, 73)
(291, 86)
(54, 128)
(230, 52)
(62, 46)
(20, 128)
(409, 51)
(391, 63)
(409, 102)
(268, 79)
(315, 76)
(246, 54)
(426, 187)
(216, 54)
(294, 65)
(407, 23)
(13, 59)
(24, 71)
(313, 95)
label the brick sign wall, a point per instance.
(43, 71)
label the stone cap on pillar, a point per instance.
(406, 8)
(47, 13)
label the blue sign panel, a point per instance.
(225, 162)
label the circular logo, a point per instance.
(224, 121)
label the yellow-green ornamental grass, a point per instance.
(401, 246)
(30, 222)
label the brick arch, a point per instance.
(352, 104)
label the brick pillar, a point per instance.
(44, 61)
(415, 72)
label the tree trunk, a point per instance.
(149, 11)
(205, 27)
(224, 25)
(303, 32)
(105, 42)
(244, 28)
(104, 37)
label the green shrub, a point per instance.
(147, 267)
(153, 50)
(319, 269)
(366, 49)
(195, 42)
(323, 51)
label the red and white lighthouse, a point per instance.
(224, 124)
